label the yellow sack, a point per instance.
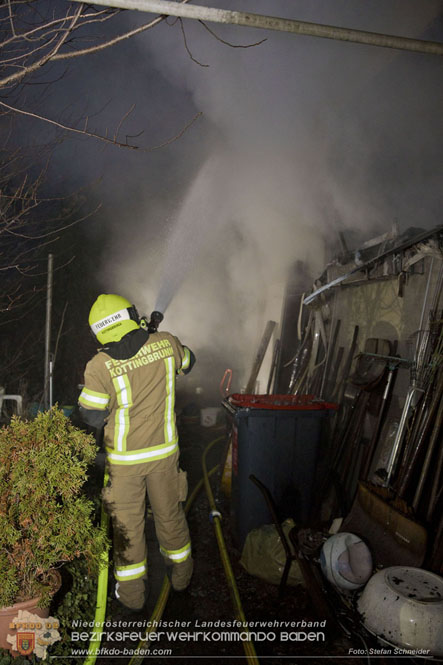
(264, 556)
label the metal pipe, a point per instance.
(272, 372)
(377, 259)
(333, 335)
(429, 454)
(250, 20)
(48, 329)
(51, 381)
(299, 369)
(438, 289)
(366, 465)
(435, 485)
(250, 387)
(399, 436)
(299, 320)
(418, 423)
(419, 350)
(424, 429)
(347, 366)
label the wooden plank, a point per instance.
(250, 386)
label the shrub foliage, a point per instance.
(45, 518)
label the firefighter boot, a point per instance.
(131, 595)
(181, 574)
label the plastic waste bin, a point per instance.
(277, 438)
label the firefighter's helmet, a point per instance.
(112, 317)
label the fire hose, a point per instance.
(102, 587)
(100, 612)
(248, 645)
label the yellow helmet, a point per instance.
(112, 317)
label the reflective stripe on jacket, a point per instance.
(139, 394)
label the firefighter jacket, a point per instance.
(137, 395)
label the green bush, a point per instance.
(45, 518)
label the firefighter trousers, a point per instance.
(165, 484)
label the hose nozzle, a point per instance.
(156, 319)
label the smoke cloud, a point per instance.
(300, 138)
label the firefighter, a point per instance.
(130, 388)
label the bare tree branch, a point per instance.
(60, 228)
(187, 47)
(45, 32)
(49, 26)
(228, 43)
(177, 136)
(37, 65)
(100, 137)
(34, 34)
(111, 42)
(42, 39)
(127, 114)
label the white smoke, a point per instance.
(302, 137)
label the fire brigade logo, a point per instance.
(25, 643)
(32, 634)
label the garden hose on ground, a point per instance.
(215, 516)
(102, 588)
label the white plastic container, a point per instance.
(208, 415)
(403, 607)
